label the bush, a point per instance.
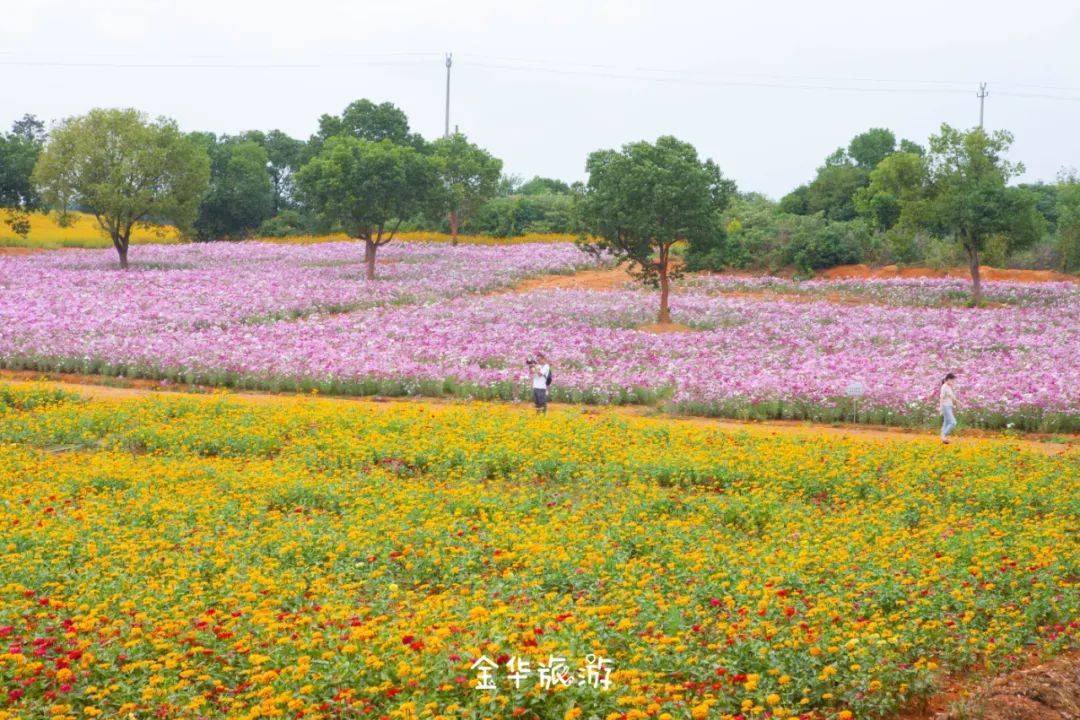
(284, 224)
(521, 214)
(816, 246)
(1045, 255)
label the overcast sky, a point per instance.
(767, 89)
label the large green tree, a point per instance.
(126, 170)
(895, 183)
(968, 197)
(19, 150)
(285, 155)
(241, 192)
(470, 176)
(367, 188)
(366, 120)
(871, 147)
(641, 200)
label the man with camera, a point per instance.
(541, 380)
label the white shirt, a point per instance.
(540, 373)
(947, 396)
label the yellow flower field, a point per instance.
(83, 231)
(197, 557)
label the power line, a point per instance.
(489, 62)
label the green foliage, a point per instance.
(642, 199)
(364, 120)
(521, 214)
(832, 191)
(1068, 227)
(871, 147)
(241, 192)
(19, 150)
(796, 202)
(125, 169)
(814, 246)
(544, 186)
(368, 188)
(897, 181)
(285, 155)
(469, 175)
(284, 224)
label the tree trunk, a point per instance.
(665, 314)
(369, 257)
(976, 281)
(122, 251)
(453, 228)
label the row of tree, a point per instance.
(642, 201)
(363, 173)
(366, 174)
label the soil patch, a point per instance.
(668, 327)
(1040, 691)
(612, 279)
(864, 272)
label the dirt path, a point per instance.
(95, 386)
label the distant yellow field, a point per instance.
(46, 233)
(83, 231)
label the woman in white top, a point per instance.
(946, 398)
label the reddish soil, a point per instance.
(1039, 691)
(583, 280)
(18, 251)
(862, 272)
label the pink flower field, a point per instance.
(302, 317)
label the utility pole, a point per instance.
(982, 100)
(449, 62)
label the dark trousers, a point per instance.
(540, 399)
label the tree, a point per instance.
(19, 150)
(124, 169)
(1068, 220)
(470, 175)
(796, 202)
(285, 155)
(241, 192)
(896, 182)
(367, 188)
(967, 196)
(641, 200)
(832, 191)
(871, 147)
(544, 186)
(364, 120)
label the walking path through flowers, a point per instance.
(93, 386)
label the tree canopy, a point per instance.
(967, 196)
(641, 200)
(124, 169)
(241, 192)
(19, 150)
(470, 175)
(368, 188)
(366, 120)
